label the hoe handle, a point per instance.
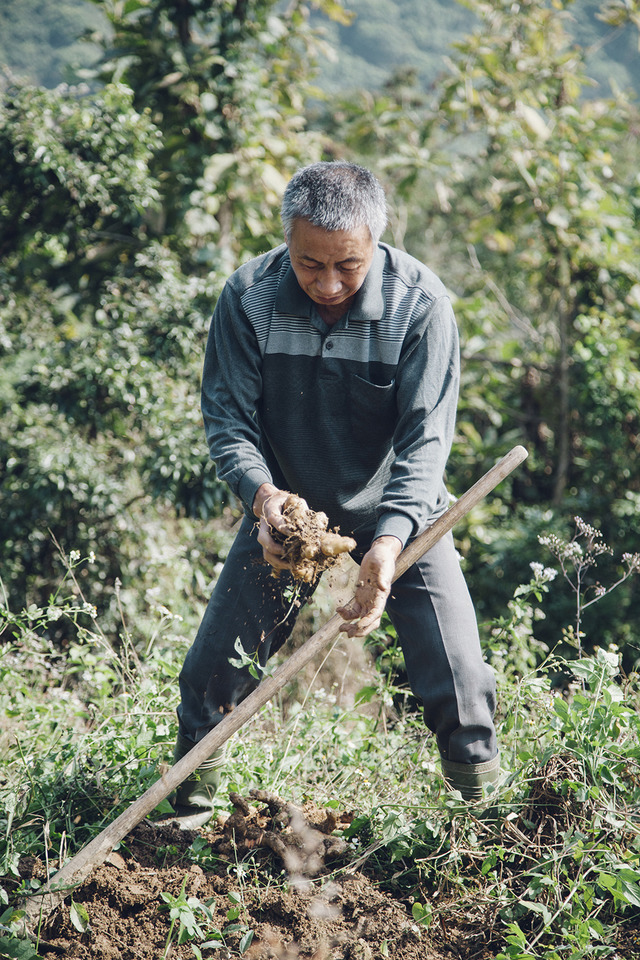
(95, 853)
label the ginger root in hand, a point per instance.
(310, 548)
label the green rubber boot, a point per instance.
(193, 801)
(470, 778)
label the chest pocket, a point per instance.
(373, 416)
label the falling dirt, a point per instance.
(271, 882)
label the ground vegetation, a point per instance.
(334, 836)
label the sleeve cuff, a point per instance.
(249, 484)
(394, 525)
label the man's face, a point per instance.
(330, 265)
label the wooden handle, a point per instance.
(96, 852)
(418, 547)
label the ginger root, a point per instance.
(310, 548)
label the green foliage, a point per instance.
(195, 922)
(103, 419)
(522, 193)
(551, 212)
(70, 764)
(226, 85)
(550, 863)
(14, 949)
(578, 559)
(76, 186)
(87, 310)
(576, 799)
(121, 212)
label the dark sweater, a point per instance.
(356, 418)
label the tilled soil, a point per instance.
(275, 880)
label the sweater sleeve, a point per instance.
(231, 388)
(427, 384)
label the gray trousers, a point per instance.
(432, 613)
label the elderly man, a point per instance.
(332, 371)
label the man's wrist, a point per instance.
(388, 542)
(392, 524)
(264, 491)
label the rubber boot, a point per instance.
(470, 778)
(193, 801)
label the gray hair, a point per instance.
(335, 195)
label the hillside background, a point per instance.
(39, 40)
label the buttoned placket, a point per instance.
(327, 333)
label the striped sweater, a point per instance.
(356, 418)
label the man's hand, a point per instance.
(267, 506)
(378, 565)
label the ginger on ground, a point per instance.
(310, 548)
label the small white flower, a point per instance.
(543, 574)
(74, 556)
(574, 549)
(586, 529)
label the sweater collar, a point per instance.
(368, 304)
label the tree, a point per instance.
(225, 81)
(550, 207)
(524, 194)
(122, 208)
(99, 338)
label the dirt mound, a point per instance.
(269, 882)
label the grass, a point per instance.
(551, 866)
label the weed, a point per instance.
(577, 558)
(552, 865)
(294, 594)
(191, 919)
(73, 760)
(10, 946)
(512, 644)
(422, 913)
(79, 916)
(250, 661)
(187, 913)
